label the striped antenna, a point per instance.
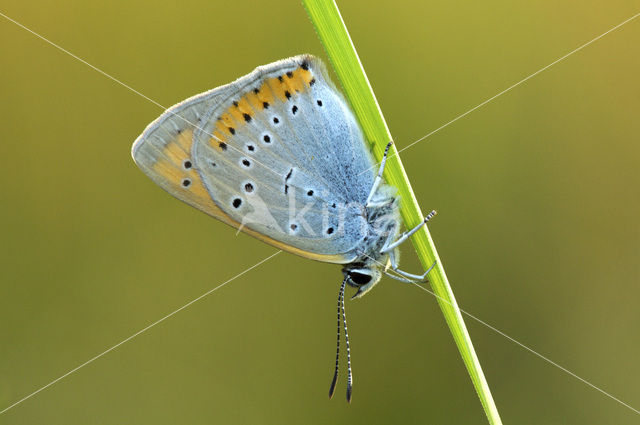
(335, 373)
(346, 337)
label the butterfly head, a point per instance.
(363, 276)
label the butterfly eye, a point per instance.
(359, 278)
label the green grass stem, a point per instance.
(333, 34)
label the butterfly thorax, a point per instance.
(382, 227)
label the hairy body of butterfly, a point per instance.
(279, 155)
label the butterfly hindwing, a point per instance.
(276, 153)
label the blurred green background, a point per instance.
(538, 226)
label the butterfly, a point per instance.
(279, 155)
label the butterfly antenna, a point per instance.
(335, 373)
(346, 337)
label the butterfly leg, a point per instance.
(410, 277)
(392, 259)
(408, 234)
(378, 179)
(401, 279)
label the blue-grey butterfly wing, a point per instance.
(285, 156)
(276, 153)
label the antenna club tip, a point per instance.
(332, 388)
(429, 216)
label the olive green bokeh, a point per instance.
(537, 195)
